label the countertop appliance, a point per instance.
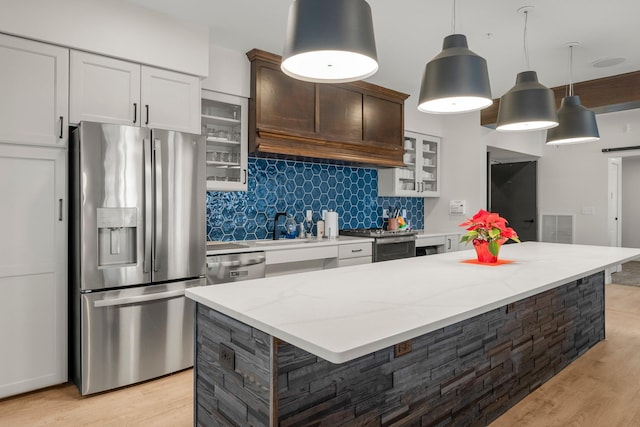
(137, 241)
(235, 267)
(388, 244)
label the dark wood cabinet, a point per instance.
(351, 122)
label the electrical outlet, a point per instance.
(385, 213)
(227, 357)
(402, 348)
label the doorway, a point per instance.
(513, 194)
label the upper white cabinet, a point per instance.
(34, 88)
(113, 91)
(104, 90)
(171, 100)
(421, 176)
(224, 122)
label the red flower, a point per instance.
(488, 226)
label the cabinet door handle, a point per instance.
(135, 112)
(245, 175)
(60, 209)
(449, 245)
(61, 126)
(147, 108)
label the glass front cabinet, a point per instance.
(224, 123)
(421, 176)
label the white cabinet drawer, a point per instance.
(304, 254)
(354, 250)
(430, 241)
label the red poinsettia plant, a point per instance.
(489, 227)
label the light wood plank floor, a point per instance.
(602, 388)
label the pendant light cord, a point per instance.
(571, 70)
(525, 42)
(453, 18)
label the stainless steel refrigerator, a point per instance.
(137, 241)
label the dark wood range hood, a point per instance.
(349, 122)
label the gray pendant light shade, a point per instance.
(528, 105)
(330, 41)
(577, 124)
(456, 80)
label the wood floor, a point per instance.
(602, 388)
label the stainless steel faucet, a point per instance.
(275, 224)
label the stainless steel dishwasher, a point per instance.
(235, 267)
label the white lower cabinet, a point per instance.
(355, 254)
(289, 261)
(33, 268)
(452, 242)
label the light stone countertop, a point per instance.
(344, 313)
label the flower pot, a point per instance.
(482, 251)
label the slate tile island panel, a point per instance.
(293, 187)
(465, 374)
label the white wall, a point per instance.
(529, 143)
(113, 28)
(576, 176)
(631, 202)
(417, 121)
(229, 72)
(463, 172)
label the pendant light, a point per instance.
(528, 105)
(456, 80)
(577, 124)
(329, 41)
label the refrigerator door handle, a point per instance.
(138, 298)
(158, 205)
(148, 203)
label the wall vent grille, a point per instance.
(557, 228)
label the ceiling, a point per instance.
(410, 32)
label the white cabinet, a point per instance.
(452, 242)
(34, 104)
(289, 261)
(421, 176)
(170, 100)
(113, 91)
(34, 94)
(224, 122)
(33, 267)
(355, 254)
(104, 90)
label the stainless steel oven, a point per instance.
(388, 245)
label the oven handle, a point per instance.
(138, 298)
(390, 240)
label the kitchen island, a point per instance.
(413, 341)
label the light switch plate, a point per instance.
(588, 210)
(457, 207)
(385, 213)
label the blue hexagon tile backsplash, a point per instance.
(293, 187)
